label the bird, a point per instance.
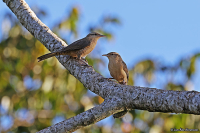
(78, 49)
(119, 71)
(117, 67)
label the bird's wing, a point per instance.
(125, 68)
(77, 45)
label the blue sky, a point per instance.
(166, 30)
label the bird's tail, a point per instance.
(43, 57)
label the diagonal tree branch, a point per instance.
(84, 119)
(117, 97)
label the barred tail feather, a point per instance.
(43, 57)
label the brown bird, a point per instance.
(117, 67)
(119, 71)
(77, 49)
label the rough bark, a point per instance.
(117, 97)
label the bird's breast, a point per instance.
(116, 71)
(84, 52)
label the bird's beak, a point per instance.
(102, 36)
(104, 55)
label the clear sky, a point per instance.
(164, 29)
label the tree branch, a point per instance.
(86, 118)
(117, 97)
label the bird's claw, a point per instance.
(85, 63)
(84, 59)
(124, 83)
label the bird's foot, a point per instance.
(84, 59)
(85, 63)
(124, 83)
(111, 79)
